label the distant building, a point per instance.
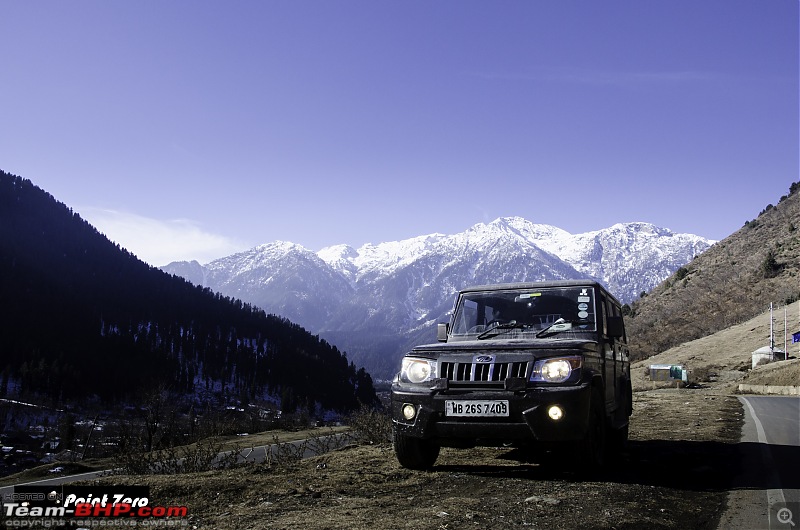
(667, 372)
(766, 354)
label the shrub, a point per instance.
(770, 267)
(371, 426)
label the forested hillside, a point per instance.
(731, 282)
(80, 316)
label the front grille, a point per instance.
(483, 372)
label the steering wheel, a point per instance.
(495, 321)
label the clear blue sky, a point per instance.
(191, 129)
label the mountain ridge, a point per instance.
(583, 252)
(390, 293)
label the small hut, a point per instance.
(765, 354)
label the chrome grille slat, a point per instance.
(483, 372)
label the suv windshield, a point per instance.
(500, 314)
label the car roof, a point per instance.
(539, 285)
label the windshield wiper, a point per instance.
(501, 327)
(556, 327)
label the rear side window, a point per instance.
(601, 317)
(617, 312)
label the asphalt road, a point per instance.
(766, 494)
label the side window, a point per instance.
(601, 316)
(609, 310)
(488, 315)
(468, 316)
(617, 312)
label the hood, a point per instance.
(505, 345)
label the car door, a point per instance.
(609, 347)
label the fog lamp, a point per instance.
(555, 412)
(409, 411)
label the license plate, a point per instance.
(476, 408)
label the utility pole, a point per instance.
(771, 336)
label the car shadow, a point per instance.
(679, 464)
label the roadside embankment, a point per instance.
(775, 390)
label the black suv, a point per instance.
(543, 363)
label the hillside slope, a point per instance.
(725, 356)
(730, 283)
(81, 317)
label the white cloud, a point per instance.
(159, 242)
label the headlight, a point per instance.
(417, 370)
(556, 370)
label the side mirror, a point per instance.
(615, 327)
(441, 332)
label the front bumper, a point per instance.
(528, 418)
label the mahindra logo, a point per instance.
(484, 359)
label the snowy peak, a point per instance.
(340, 258)
(266, 257)
(394, 254)
(261, 254)
(527, 229)
(628, 257)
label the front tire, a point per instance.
(617, 441)
(593, 445)
(414, 453)
(618, 437)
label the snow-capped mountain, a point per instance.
(375, 300)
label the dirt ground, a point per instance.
(673, 474)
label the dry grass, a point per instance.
(781, 374)
(225, 443)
